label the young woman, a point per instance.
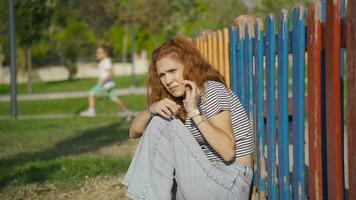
(105, 84)
(196, 135)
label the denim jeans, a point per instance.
(167, 151)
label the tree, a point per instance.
(32, 22)
(70, 41)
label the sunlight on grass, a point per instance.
(73, 106)
(61, 150)
(70, 86)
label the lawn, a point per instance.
(70, 86)
(72, 106)
(68, 158)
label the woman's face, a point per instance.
(170, 72)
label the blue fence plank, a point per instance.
(248, 67)
(233, 58)
(283, 150)
(343, 15)
(298, 101)
(271, 109)
(240, 61)
(259, 93)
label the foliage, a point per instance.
(71, 29)
(33, 17)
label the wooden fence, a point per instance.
(289, 74)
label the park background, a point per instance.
(51, 153)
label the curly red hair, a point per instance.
(196, 69)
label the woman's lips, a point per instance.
(173, 88)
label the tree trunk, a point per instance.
(124, 46)
(29, 69)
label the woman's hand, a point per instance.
(165, 107)
(191, 95)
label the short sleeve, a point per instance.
(216, 98)
(106, 64)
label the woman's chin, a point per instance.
(177, 93)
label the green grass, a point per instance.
(64, 151)
(72, 106)
(60, 150)
(70, 86)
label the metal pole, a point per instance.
(12, 60)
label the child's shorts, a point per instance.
(99, 89)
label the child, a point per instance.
(105, 84)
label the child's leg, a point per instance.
(94, 91)
(113, 96)
(90, 112)
(91, 101)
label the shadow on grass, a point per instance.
(88, 141)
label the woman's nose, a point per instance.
(169, 79)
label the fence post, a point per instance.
(241, 21)
(271, 106)
(205, 47)
(283, 141)
(314, 101)
(226, 57)
(260, 146)
(333, 101)
(248, 66)
(210, 49)
(199, 44)
(233, 58)
(214, 41)
(220, 60)
(351, 95)
(298, 101)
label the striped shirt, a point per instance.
(216, 99)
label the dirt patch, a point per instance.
(103, 188)
(121, 149)
(98, 188)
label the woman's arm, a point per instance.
(139, 124)
(218, 133)
(166, 108)
(218, 129)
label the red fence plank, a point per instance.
(351, 94)
(333, 100)
(314, 99)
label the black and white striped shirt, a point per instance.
(216, 99)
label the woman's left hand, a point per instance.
(191, 95)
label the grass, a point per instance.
(61, 151)
(68, 153)
(70, 86)
(72, 106)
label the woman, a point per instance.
(195, 133)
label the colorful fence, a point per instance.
(257, 61)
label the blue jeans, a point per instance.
(167, 151)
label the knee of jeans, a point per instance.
(157, 125)
(159, 121)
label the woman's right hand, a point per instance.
(165, 107)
